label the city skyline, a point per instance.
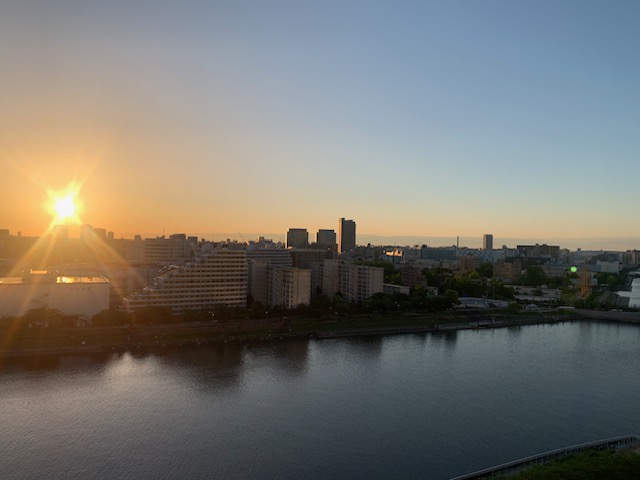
(593, 243)
(418, 120)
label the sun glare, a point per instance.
(64, 207)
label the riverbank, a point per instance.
(83, 340)
(593, 465)
(581, 459)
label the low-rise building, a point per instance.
(469, 263)
(390, 289)
(77, 296)
(411, 275)
(507, 271)
(543, 251)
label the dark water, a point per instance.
(410, 406)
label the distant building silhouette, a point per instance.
(297, 238)
(346, 235)
(304, 257)
(326, 239)
(487, 242)
(174, 249)
(539, 251)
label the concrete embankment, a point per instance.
(624, 317)
(443, 327)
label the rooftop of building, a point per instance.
(44, 276)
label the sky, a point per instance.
(414, 118)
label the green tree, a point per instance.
(534, 276)
(451, 296)
(485, 270)
(500, 291)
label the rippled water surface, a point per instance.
(411, 406)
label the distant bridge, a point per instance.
(617, 443)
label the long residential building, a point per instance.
(218, 277)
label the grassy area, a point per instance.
(592, 465)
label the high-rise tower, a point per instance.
(346, 235)
(487, 241)
(297, 238)
(326, 239)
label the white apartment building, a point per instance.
(289, 286)
(354, 282)
(364, 281)
(273, 256)
(259, 260)
(218, 277)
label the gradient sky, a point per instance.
(421, 118)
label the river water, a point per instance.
(409, 406)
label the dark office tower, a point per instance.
(297, 238)
(346, 235)
(487, 241)
(326, 239)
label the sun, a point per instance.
(64, 206)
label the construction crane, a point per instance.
(585, 281)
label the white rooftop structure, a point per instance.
(82, 296)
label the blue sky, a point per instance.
(414, 118)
